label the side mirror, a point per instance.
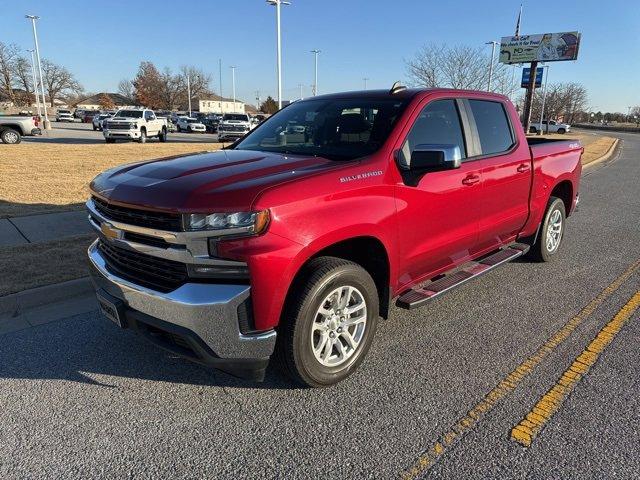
(435, 157)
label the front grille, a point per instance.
(145, 270)
(119, 126)
(141, 218)
(233, 128)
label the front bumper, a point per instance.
(121, 133)
(198, 321)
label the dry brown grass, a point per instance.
(45, 178)
(37, 264)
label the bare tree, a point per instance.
(8, 56)
(58, 81)
(173, 88)
(458, 66)
(126, 88)
(23, 78)
(198, 80)
(564, 100)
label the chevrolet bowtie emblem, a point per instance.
(110, 231)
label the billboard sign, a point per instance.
(526, 72)
(544, 47)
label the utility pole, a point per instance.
(189, 93)
(277, 4)
(233, 83)
(493, 44)
(33, 18)
(628, 113)
(315, 82)
(365, 82)
(220, 72)
(258, 99)
(544, 98)
(35, 80)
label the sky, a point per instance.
(103, 42)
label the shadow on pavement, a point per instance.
(89, 349)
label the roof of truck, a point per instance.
(404, 93)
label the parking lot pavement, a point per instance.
(82, 399)
(66, 132)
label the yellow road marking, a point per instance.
(511, 381)
(526, 431)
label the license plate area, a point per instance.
(112, 308)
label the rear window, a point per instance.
(493, 126)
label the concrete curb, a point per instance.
(613, 149)
(46, 304)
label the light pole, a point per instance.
(233, 84)
(300, 87)
(277, 4)
(33, 18)
(365, 82)
(493, 44)
(35, 80)
(544, 98)
(628, 113)
(315, 82)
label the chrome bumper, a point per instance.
(210, 311)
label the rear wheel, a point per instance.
(551, 232)
(10, 136)
(329, 323)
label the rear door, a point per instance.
(505, 167)
(438, 212)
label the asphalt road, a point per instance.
(81, 399)
(66, 132)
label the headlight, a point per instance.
(236, 223)
(134, 126)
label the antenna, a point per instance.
(397, 87)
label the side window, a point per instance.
(493, 126)
(438, 123)
(149, 115)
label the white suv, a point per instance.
(134, 124)
(234, 125)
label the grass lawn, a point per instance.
(47, 177)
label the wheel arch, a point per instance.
(564, 191)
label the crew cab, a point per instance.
(134, 124)
(233, 126)
(294, 241)
(550, 126)
(13, 128)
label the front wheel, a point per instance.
(533, 130)
(329, 322)
(562, 131)
(162, 136)
(143, 136)
(551, 232)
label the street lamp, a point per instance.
(365, 82)
(315, 83)
(35, 80)
(33, 18)
(493, 44)
(544, 98)
(233, 83)
(277, 4)
(188, 75)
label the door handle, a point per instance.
(471, 179)
(523, 167)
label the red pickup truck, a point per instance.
(299, 236)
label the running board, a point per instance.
(418, 296)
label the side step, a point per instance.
(418, 296)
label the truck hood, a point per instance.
(228, 180)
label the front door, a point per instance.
(438, 213)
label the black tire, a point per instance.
(562, 131)
(110, 140)
(162, 136)
(540, 251)
(533, 130)
(95, 128)
(178, 128)
(143, 136)
(10, 136)
(315, 282)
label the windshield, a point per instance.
(193, 120)
(243, 118)
(129, 113)
(338, 129)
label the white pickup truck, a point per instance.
(552, 127)
(13, 128)
(134, 124)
